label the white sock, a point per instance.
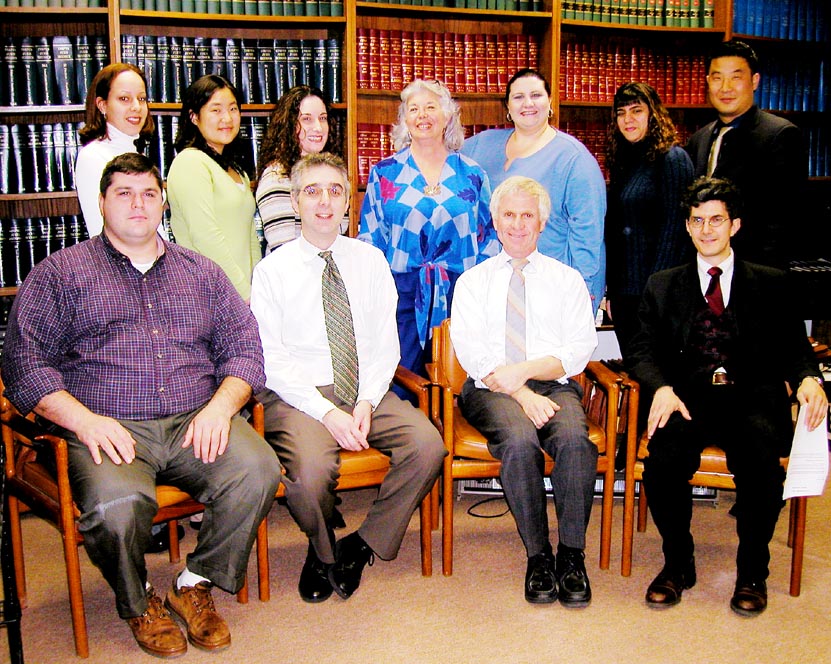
(188, 578)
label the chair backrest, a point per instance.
(452, 374)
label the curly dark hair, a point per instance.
(195, 97)
(706, 189)
(280, 143)
(661, 134)
(95, 124)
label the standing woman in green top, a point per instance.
(211, 204)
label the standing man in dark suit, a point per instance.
(762, 154)
(717, 345)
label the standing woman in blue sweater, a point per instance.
(645, 229)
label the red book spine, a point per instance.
(364, 131)
(468, 63)
(699, 94)
(374, 59)
(533, 51)
(491, 64)
(458, 55)
(585, 67)
(407, 58)
(502, 61)
(594, 72)
(683, 88)
(617, 65)
(418, 54)
(384, 134)
(481, 63)
(566, 63)
(428, 61)
(661, 64)
(395, 69)
(607, 74)
(362, 56)
(447, 61)
(512, 55)
(384, 58)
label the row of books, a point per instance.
(25, 242)
(818, 140)
(795, 20)
(788, 85)
(389, 59)
(666, 13)
(240, 7)
(482, 5)
(593, 71)
(261, 69)
(38, 157)
(49, 71)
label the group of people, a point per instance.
(144, 353)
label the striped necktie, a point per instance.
(515, 314)
(340, 331)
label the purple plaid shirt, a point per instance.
(125, 344)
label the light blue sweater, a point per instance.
(572, 177)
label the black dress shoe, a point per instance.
(575, 590)
(540, 579)
(750, 598)
(314, 583)
(665, 590)
(160, 541)
(351, 555)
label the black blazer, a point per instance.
(765, 158)
(773, 347)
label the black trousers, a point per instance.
(745, 429)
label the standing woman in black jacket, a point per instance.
(645, 230)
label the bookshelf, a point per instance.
(563, 34)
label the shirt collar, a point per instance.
(726, 265)
(533, 258)
(310, 251)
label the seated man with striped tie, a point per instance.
(717, 344)
(522, 325)
(325, 305)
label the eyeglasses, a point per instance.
(715, 222)
(315, 191)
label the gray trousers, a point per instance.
(516, 442)
(312, 461)
(118, 503)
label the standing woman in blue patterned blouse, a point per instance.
(426, 208)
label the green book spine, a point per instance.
(176, 5)
(708, 14)
(162, 5)
(311, 8)
(200, 6)
(250, 7)
(325, 7)
(225, 7)
(238, 7)
(277, 8)
(188, 6)
(651, 13)
(337, 7)
(640, 12)
(695, 13)
(264, 7)
(213, 7)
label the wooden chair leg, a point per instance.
(76, 594)
(426, 536)
(16, 536)
(642, 508)
(434, 506)
(447, 522)
(242, 595)
(608, 502)
(799, 509)
(174, 553)
(263, 579)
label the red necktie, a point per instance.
(713, 294)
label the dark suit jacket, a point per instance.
(772, 344)
(765, 158)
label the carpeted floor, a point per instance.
(476, 616)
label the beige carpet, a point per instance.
(476, 616)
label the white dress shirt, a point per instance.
(559, 320)
(725, 279)
(287, 300)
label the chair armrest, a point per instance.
(417, 385)
(603, 375)
(255, 407)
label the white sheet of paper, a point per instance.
(808, 463)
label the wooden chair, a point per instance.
(360, 470)
(468, 455)
(712, 472)
(30, 483)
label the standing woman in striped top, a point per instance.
(299, 126)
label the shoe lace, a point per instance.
(200, 597)
(155, 609)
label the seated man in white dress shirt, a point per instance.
(325, 305)
(522, 325)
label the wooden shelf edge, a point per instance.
(39, 196)
(55, 11)
(24, 110)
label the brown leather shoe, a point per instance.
(195, 607)
(750, 598)
(155, 631)
(665, 590)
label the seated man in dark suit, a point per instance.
(716, 348)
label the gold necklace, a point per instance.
(432, 190)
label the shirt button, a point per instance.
(161, 389)
(155, 331)
(159, 355)
(149, 306)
